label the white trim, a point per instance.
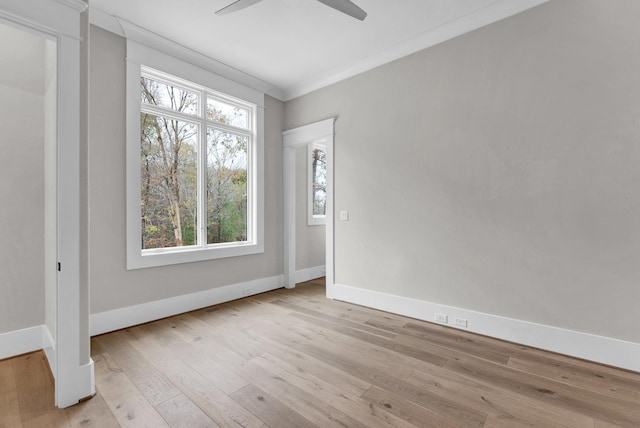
(587, 346)
(308, 274)
(102, 19)
(117, 319)
(49, 348)
(481, 17)
(73, 379)
(77, 5)
(170, 63)
(133, 32)
(61, 21)
(314, 132)
(478, 18)
(138, 56)
(321, 132)
(18, 342)
(51, 17)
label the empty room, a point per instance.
(312, 213)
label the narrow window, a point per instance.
(317, 184)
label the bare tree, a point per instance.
(164, 152)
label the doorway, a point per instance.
(299, 145)
(40, 76)
(28, 182)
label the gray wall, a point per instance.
(22, 86)
(498, 172)
(112, 286)
(310, 240)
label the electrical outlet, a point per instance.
(442, 318)
(344, 215)
(460, 322)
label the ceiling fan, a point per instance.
(344, 6)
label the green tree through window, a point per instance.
(185, 130)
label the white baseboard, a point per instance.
(117, 319)
(600, 349)
(310, 273)
(19, 342)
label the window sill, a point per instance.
(150, 258)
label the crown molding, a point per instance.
(77, 5)
(141, 35)
(493, 12)
(496, 11)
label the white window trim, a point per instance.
(312, 219)
(138, 55)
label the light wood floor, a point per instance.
(291, 358)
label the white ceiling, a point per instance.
(296, 46)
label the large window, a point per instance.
(196, 173)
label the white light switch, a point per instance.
(344, 215)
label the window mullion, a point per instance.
(228, 128)
(202, 178)
(165, 112)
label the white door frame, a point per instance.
(70, 360)
(322, 133)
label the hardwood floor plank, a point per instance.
(269, 409)
(330, 394)
(409, 411)
(596, 406)
(570, 363)
(469, 346)
(163, 349)
(180, 412)
(602, 424)
(35, 388)
(497, 403)
(55, 418)
(303, 403)
(359, 314)
(452, 334)
(497, 422)
(387, 382)
(125, 401)
(572, 374)
(204, 338)
(292, 358)
(334, 319)
(306, 404)
(344, 381)
(374, 356)
(10, 416)
(410, 351)
(155, 387)
(209, 343)
(216, 373)
(93, 413)
(528, 353)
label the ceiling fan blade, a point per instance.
(346, 6)
(236, 5)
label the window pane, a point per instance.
(168, 162)
(319, 174)
(226, 187)
(168, 96)
(227, 114)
